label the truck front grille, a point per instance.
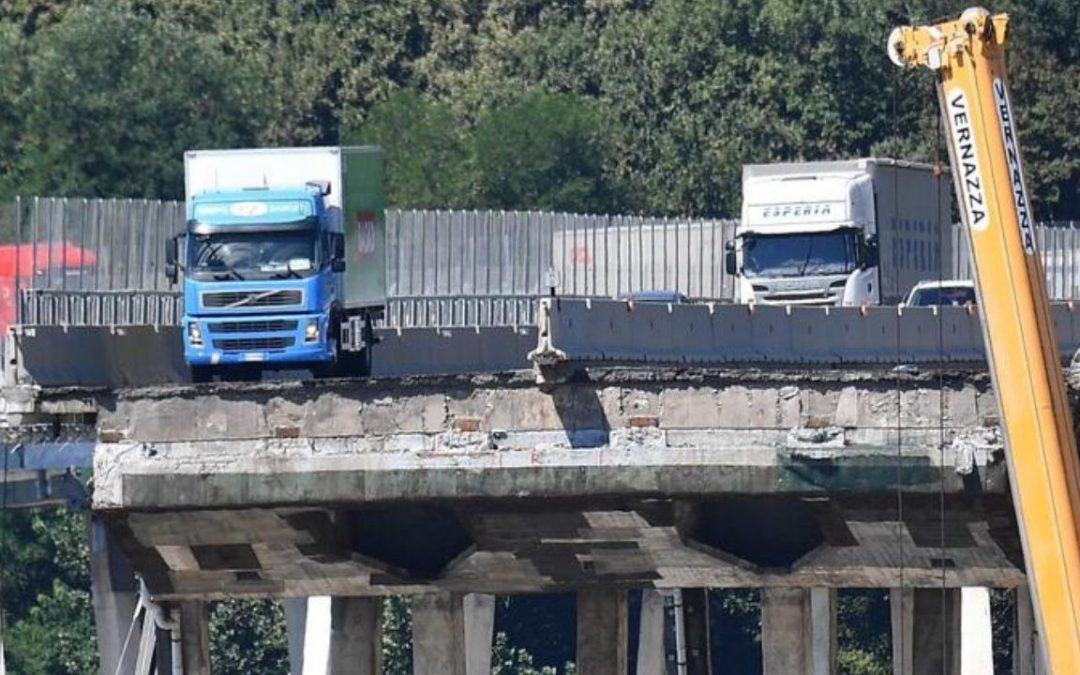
(240, 299)
(254, 344)
(270, 326)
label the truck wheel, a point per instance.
(201, 374)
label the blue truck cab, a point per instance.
(262, 278)
(264, 267)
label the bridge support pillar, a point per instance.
(195, 637)
(355, 636)
(602, 625)
(976, 632)
(1027, 650)
(452, 633)
(115, 595)
(929, 618)
(650, 655)
(798, 630)
(695, 609)
(296, 611)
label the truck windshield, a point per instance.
(261, 255)
(800, 254)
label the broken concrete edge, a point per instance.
(598, 374)
(232, 474)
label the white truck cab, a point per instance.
(814, 233)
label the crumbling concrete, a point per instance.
(659, 479)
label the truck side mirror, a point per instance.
(729, 263)
(337, 254)
(870, 253)
(172, 271)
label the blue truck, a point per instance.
(282, 259)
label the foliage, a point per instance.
(56, 636)
(509, 660)
(248, 636)
(46, 584)
(397, 636)
(863, 632)
(111, 99)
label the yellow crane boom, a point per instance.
(968, 57)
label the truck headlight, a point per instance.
(311, 331)
(194, 334)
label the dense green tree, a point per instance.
(544, 152)
(248, 636)
(46, 585)
(112, 100)
(428, 159)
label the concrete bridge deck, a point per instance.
(663, 478)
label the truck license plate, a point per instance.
(254, 356)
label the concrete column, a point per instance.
(784, 647)
(1027, 647)
(798, 630)
(976, 632)
(929, 618)
(650, 655)
(195, 637)
(114, 595)
(695, 607)
(602, 625)
(822, 631)
(902, 616)
(452, 634)
(295, 625)
(355, 636)
(479, 611)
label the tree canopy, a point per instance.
(585, 105)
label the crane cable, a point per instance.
(3, 550)
(897, 613)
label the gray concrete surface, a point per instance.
(452, 634)
(195, 637)
(114, 595)
(355, 636)
(658, 479)
(602, 625)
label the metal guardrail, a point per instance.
(461, 311)
(47, 307)
(84, 262)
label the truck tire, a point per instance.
(202, 374)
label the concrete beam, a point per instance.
(452, 634)
(650, 655)
(926, 630)
(602, 625)
(195, 637)
(356, 636)
(114, 594)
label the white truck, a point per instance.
(852, 232)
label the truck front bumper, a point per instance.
(277, 338)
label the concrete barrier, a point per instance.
(582, 330)
(133, 356)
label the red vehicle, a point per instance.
(34, 267)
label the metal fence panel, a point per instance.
(82, 261)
